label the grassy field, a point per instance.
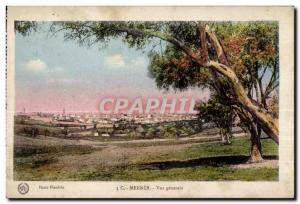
(194, 162)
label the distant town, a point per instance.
(77, 125)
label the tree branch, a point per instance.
(217, 45)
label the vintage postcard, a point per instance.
(150, 102)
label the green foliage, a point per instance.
(151, 133)
(251, 47)
(184, 31)
(25, 27)
(170, 131)
(252, 50)
(175, 69)
(222, 115)
(91, 32)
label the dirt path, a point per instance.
(198, 138)
(113, 156)
(267, 163)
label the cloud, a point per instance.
(36, 65)
(116, 60)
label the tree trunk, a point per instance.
(264, 119)
(256, 153)
(227, 137)
(222, 135)
(268, 123)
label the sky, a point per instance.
(52, 74)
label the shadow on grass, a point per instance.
(217, 161)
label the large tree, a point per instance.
(253, 52)
(199, 45)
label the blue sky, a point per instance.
(52, 73)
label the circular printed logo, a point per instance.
(23, 188)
